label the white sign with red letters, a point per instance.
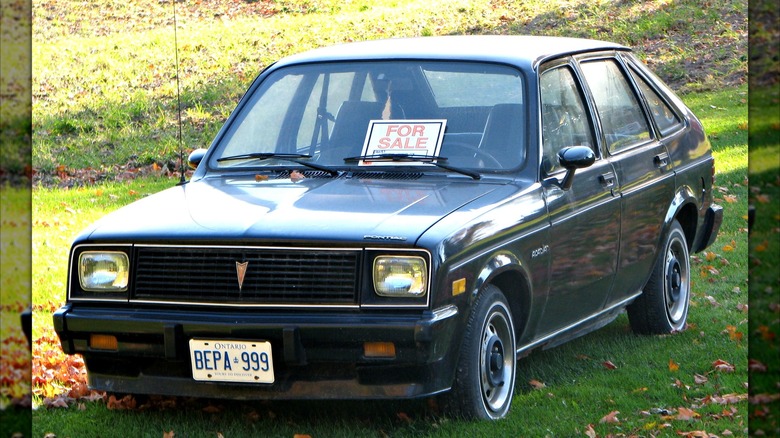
(408, 137)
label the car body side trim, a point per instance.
(536, 343)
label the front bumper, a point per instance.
(316, 355)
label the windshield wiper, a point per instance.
(415, 158)
(294, 158)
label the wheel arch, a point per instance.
(684, 209)
(508, 273)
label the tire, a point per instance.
(663, 306)
(485, 377)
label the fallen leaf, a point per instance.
(610, 418)
(403, 417)
(211, 409)
(673, 366)
(694, 434)
(609, 365)
(168, 434)
(734, 335)
(686, 414)
(762, 399)
(680, 384)
(722, 365)
(536, 384)
(756, 366)
(590, 432)
(766, 333)
(699, 379)
(763, 198)
(728, 398)
(296, 176)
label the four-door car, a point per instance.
(402, 218)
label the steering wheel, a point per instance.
(478, 153)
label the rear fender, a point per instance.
(683, 208)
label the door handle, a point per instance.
(661, 160)
(607, 179)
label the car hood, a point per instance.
(282, 210)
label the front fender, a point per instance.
(496, 264)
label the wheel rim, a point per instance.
(496, 362)
(676, 283)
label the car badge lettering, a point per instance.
(241, 272)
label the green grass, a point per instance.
(765, 252)
(104, 98)
(579, 389)
(104, 89)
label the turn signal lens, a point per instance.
(103, 342)
(379, 349)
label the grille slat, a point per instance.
(273, 276)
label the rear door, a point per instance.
(641, 164)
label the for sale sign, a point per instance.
(409, 137)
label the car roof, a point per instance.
(519, 50)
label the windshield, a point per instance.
(468, 115)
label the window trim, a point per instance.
(615, 56)
(593, 122)
(635, 70)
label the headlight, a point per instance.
(103, 271)
(400, 276)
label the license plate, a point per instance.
(231, 361)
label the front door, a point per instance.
(584, 220)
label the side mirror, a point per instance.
(573, 158)
(195, 157)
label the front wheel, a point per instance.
(663, 306)
(485, 377)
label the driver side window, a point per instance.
(564, 117)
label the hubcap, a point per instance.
(497, 362)
(674, 279)
(676, 283)
(495, 359)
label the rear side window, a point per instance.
(622, 118)
(665, 118)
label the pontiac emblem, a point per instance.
(241, 271)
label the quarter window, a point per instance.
(666, 119)
(564, 118)
(622, 118)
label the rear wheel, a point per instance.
(485, 378)
(663, 305)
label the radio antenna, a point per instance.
(182, 180)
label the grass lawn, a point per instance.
(560, 392)
(105, 135)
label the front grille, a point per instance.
(273, 276)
